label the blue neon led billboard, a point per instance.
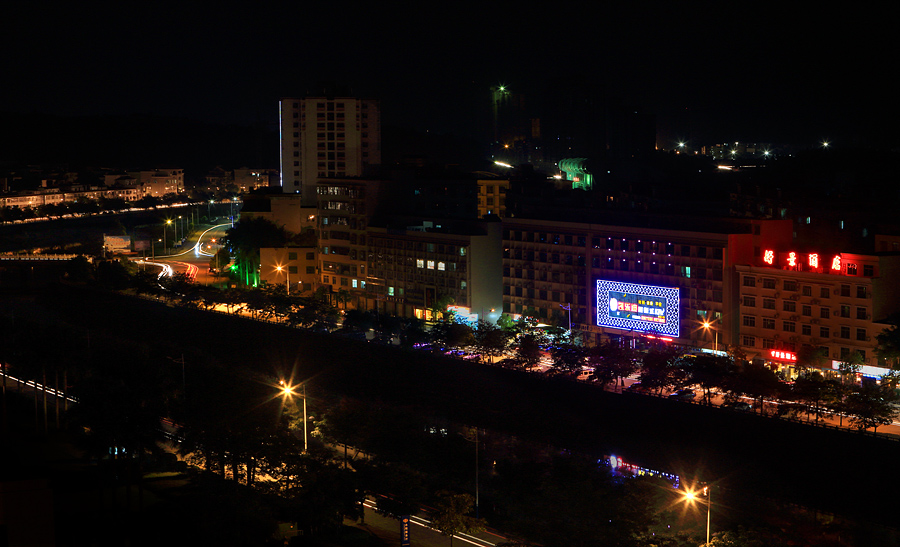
(644, 308)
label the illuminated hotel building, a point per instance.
(550, 264)
(326, 137)
(829, 301)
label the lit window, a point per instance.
(431, 264)
(420, 263)
(390, 291)
(440, 266)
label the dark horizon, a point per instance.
(707, 76)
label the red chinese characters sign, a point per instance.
(783, 355)
(793, 260)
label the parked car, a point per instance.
(683, 395)
(637, 387)
(739, 405)
(789, 408)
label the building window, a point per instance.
(807, 310)
(806, 330)
(861, 313)
(420, 263)
(845, 290)
(768, 323)
(768, 343)
(749, 341)
(807, 290)
(788, 326)
(390, 291)
(851, 269)
(845, 332)
(789, 305)
(868, 270)
(292, 269)
(749, 281)
(845, 310)
(824, 332)
(749, 321)
(824, 313)
(749, 301)
(440, 266)
(824, 292)
(790, 285)
(768, 283)
(431, 264)
(861, 335)
(860, 291)
(769, 303)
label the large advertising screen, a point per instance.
(643, 308)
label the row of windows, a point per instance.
(615, 244)
(805, 329)
(844, 310)
(420, 246)
(806, 290)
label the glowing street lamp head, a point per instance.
(706, 325)
(690, 496)
(286, 389)
(681, 144)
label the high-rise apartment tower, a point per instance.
(327, 137)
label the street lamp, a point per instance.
(287, 274)
(707, 325)
(568, 308)
(287, 390)
(690, 496)
(165, 245)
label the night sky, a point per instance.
(757, 72)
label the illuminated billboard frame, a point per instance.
(663, 302)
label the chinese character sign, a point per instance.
(769, 256)
(792, 259)
(836, 263)
(814, 261)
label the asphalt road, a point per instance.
(420, 535)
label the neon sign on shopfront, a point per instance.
(793, 260)
(783, 355)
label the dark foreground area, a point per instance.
(750, 459)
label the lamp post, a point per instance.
(568, 308)
(288, 390)
(287, 273)
(165, 244)
(690, 496)
(707, 325)
(476, 467)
